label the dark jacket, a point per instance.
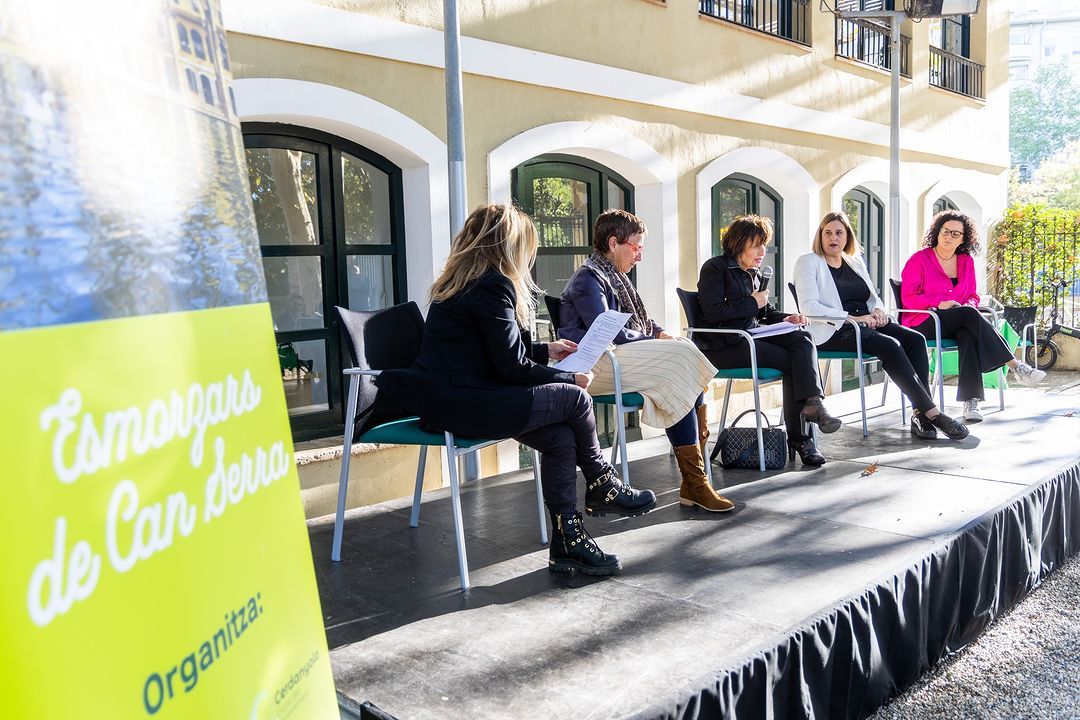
(724, 301)
(475, 365)
(587, 295)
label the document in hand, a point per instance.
(603, 330)
(775, 329)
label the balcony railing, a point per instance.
(788, 19)
(956, 73)
(867, 42)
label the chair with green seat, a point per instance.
(757, 375)
(829, 355)
(624, 403)
(390, 339)
(939, 346)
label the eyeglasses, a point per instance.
(954, 234)
(635, 245)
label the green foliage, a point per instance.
(1055, 184)
(1044, 114)
(1031, 246)
(555, 214)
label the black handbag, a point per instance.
(738, 445)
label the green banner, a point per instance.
(156, 558)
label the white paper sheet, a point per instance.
(775, 329)
(600, 334)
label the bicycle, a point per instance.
(1048, 349)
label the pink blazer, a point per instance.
(923, 284)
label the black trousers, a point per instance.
(562, 428)
(902, 352)
(794, 355)
(981, 348)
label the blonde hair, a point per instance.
(494, 237)
(851, 247)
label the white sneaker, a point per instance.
(1028, 375)
(971, 411)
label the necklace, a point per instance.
(944, 259)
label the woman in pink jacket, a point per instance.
(941, 278)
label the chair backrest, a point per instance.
(688, 298)
(895, 285)
(552, 303)
(794, 295)
(385, 339)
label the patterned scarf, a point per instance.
(627, 295)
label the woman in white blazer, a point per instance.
(833, 282)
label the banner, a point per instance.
(156, 559)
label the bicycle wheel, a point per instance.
(1048, 354)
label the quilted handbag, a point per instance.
(738, 445)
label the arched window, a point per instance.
(207, 90)
(331, 227)
(182, 35)
(197, 42)
(232, 100)
(193, 84)
(867, 214)
(944, 203)
(740, 194)
(564, 195)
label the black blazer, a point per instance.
(475, 367)
(724, 301)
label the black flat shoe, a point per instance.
(953, 428)
(807, 450)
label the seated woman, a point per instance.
(478, 375)
(729, 298)
(833, 282)
(673, 400)
(941, 277)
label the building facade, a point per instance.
(687, 112)
(1043, 32)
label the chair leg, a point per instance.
(455, 501)
(1001, 388)
(723, 422)
(418, 490)
(757, 418)
(885, 391)
(540, 498)
(346, 455)
(859, 367)
(939, 376)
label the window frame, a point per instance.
(754, 186)
(333, 252)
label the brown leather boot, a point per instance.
(695, 488)
(703, 427)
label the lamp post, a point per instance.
(916, 9)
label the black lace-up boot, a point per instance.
(572, 548)
(607, 494)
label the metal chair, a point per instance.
(689, 300)
(624, 403)
(939, 345)
(390, 339)
(829, 355)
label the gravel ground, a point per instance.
(1026, 665)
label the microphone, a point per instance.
(766, 276)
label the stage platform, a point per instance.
(824, 593)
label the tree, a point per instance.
(1056, 183)
(1044, 114)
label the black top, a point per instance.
(954, 280)
(724, 290)
(475, 367)
(854, 294)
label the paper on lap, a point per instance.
(603, 330)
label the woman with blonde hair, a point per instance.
(832, 281)
(479, 375)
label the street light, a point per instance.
(917, 10)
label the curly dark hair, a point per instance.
(970, 245)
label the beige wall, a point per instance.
(674, 43)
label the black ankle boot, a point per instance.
(572, 548)
(814, 411)
(607, 494)
(807, 450)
